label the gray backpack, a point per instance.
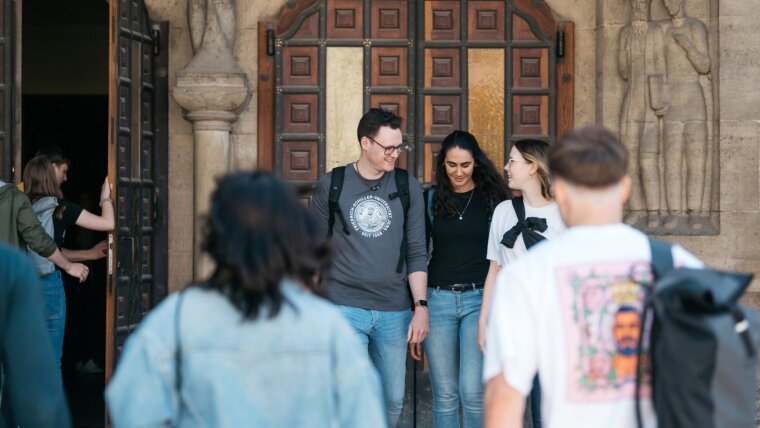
(702, 349)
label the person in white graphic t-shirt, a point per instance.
(569, 310)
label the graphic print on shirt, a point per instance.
(371, 216)
(601, 307)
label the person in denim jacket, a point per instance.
(254, 345)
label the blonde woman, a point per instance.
(520, 223)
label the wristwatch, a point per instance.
(419, 303)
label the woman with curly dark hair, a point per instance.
(253, 345)
(459, 210)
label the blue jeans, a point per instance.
(456, 363)
(384, 334)
(55, 311)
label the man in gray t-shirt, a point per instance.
(364, 281)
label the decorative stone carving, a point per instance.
(664, 120)
(212, 89)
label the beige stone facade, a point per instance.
(599, 90)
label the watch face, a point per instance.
(423, 302)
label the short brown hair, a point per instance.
(40, 180)
(590, 156)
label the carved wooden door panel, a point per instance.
(7, 49)
(331, 63)
(135, 166)
(490, 67)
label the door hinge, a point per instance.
(155, 34)
(270, 42)
(561, 42)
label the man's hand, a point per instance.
(98, 251)
(419, 327)
(78, 270)
(415, 350)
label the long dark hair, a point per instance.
(487, 179)
(258, 233)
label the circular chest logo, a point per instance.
(371, 216)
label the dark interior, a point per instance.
(65, 103)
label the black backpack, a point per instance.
(702, 346)
(336, 186)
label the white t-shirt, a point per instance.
(570, 310)
(504, 218)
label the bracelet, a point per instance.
(104, 200)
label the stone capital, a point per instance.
(212, 97)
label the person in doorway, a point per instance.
(568, 297)
(253, 345)
(42, 188)
(459, 209)
(32, 393)
(380, 252)
(518, 225)
(69, 213)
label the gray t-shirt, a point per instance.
(364, 273)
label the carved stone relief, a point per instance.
(665, 120)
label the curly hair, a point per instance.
(258, 233)
(487, 179)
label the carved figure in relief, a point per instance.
(212, 32)
(641, 65)
(685, 115)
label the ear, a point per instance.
(533, 168)
(364, 143)
(625, 189)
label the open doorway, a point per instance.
(65, 102)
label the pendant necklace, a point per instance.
(366, 182)
(472, 192)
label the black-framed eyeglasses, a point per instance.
(388, 151)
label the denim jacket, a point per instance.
(44, 208)
(303, 368)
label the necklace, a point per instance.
(472, 192)
(371, 186)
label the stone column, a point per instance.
(212, 89)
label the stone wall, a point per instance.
(598, 94)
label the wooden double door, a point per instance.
(502, 70)
(137, 154)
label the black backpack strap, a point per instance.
(336, 186)
(662, 257)
(662, 263)
(402, 192)
(429, 208)
(519, 205)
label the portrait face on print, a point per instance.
(601, 307)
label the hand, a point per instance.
(98, 251)
(105, 190)
(415, 350)
(78, 270)
(482, 335)
(681, 38)
(419, 327)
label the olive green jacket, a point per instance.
(19, 225)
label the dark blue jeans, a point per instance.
(54, 297)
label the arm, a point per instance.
(98, 251)
(694, 41)
(77, 270)
(419, 327)
(416, 261)
(623, 55)
(318, 206)
(503, 406)
(31, 230)
(103, 222)
(485, 306)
